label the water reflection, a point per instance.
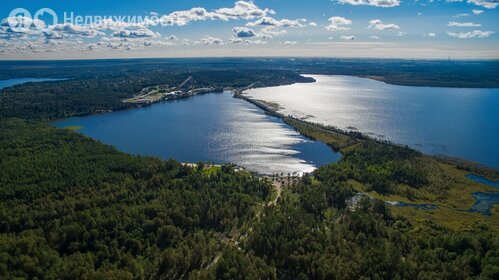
(212, 128)
(450, 121)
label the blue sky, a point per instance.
(333, 28)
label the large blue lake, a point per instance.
(455, 122)
(212, 128)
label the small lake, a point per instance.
(484, 200)
(211, 128)
(455, 122)
(13, 82)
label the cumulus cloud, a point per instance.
(244, 10)
(135, 34)
(243, 32)
(477, 12)
(488, 4)
(271, 31)
(181, 18)
(379, 25)
(471, 34)
(20, 27)
(73, 29)
(401, 34)
(313, 24)
(430, 34)
(241, 10)
(290, 43)
(138, 33)
(374, 37)
(116, 25)
(338, 23)
(208, 40)
(54, 35)
(375, 3)
(269, 21)
(348, 38)
(463, 24)
(22, 24)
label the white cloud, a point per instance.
(401, 34)
(208, 40)
(181, 18)
(471, 34)
(477, 12)
(269, 21)
(79, 30)
(488, 4)
(313, 24)
(338, 23)
(241, 10)
(348, 38)
(290, 43)
(463, 24)
(430, 34)
(376, 3)
(20, 27)
(138, 33)
(116, 25)
(243, 32)
(54, 35)
(461, 15)
(134, 34)
(270, 31)
(379, 25)
(244, 10)
(374, 37)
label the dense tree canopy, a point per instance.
(311, 235)
(73, 208)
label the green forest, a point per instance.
(74, 208)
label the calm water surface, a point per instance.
(450, 121)
(484, 200)
(212, 128)
(13, 82)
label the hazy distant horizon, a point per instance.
(263, 56)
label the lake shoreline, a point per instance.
(397, 118)
(469, 165)
(272, 110)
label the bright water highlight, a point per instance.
(211, 128)
(455, 122)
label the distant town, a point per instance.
(159, 93)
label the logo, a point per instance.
(40, 24)
(20, 20)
